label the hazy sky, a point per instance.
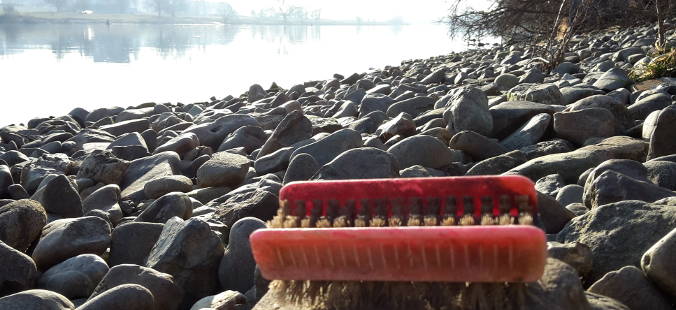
(410, 10)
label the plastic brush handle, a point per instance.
(510, 253)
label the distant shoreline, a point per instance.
(77, 18)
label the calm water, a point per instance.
(51, 69)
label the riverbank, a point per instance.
(70, 18)
(153, 204)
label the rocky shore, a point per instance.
(150, 207)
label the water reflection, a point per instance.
(112, 43)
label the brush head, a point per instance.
(423, 229)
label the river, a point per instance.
(50, 69)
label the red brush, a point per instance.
(456, 229)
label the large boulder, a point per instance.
(36, 299)
(21, 223)
(103, 166)
(613, 79)
(131, 242)
(246, 201)
(614, 241)
(166, 294)
(63, 239)
(611, 186)
(328, 148)
(541, 93)
(189, 251)
(236, 270)
(662, 140)
(530, 133)
(571, 165)
(578, 126)
(631, 287)
(213, 133)
(223, 169)
(126, 296)
(469, 111)
(75, 277)
(421, 150)
(659, 264)
(293, 128)
(361, 163)
(59, 196)
(143, 170)
(166, 207)
(17, 270)
(106, 199)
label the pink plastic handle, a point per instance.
(510, 253)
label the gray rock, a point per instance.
(630, 286)
(228, 300)
(662, 173)
(212, 134)
(553, 216)
(17, 271)
(236, 270)
(301, 168)
(36, 299)
(122, 127)
(529, 134)
(643, 107)
(131, 242)
(166, 294)
(662, 140)
(360, 163)
(550, 184)
(421, 150)
(413, 106)
(511, 115)
(476, 145)
(58, 196)
(533, 75)
(103, 166)
(659, 265)
(571, 164)
(180, 144)
(6, 180)
(21, 223)
(550, 147)
(401, 125)
(649, 124)
(295, 127)
(369, 123)
(223, 169)
(498, 164)
(167, 184)
(248, 137)
(190, 252)
(611, 186)
(469, 111)
(126, 296)
(418, 171)
(613, 79)
(328, 148)
(576, 254)
(618, 109)
(256, 92)
(578, 126)
(168, 206)
(616, 242)
(62, 239)
(575, 93)
(600, 302)
(437, 76)
(506, 81)
(275, 161)
(570, 194)
(374, 102)
(106, 199)
(246, 201)
(75, 277)
(577, 208)
(143, 170)
(129, 139)
(541, 93)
